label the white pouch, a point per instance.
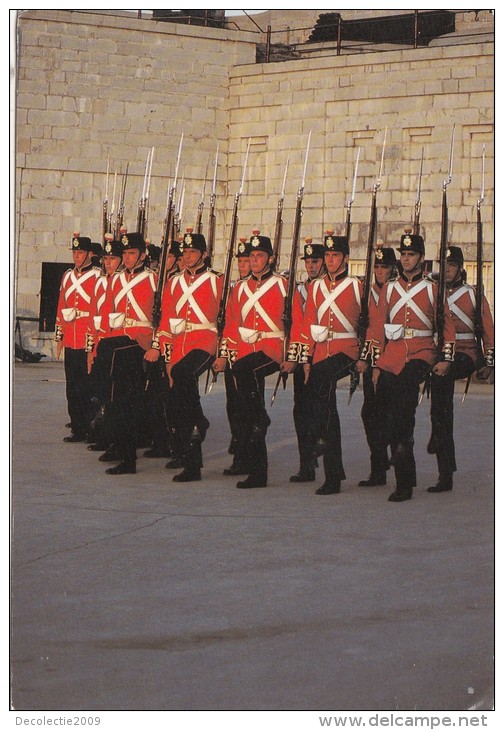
(248, 335)
(319, 333)
(97, 321)
(69, 314)
(394, 331)
(177, 325)
(116, 320)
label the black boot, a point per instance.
(74, 439)
(329, 488)
(305, 474)
(188, 475)
(236, 469)
(111, 454)
(374, 480)
(252, 482)
(444, 484)
(401, 494)
(124, 467)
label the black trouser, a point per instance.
(442, 389)
(321, 397)
(159, 407)
(250, 373)
(397, 397)
(189, 420)
(373, 420)
(302, 420)
(236, 424)
(127, 406)
(79, 392)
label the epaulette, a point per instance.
(217, 273)
(434, 278)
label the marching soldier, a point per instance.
(253, 342)
(372, 418)
(235, 418)
(314, 264)
(126, 320)
(158, 391)
(462, 303)
(187, 338)
(112, 260)
(74, 332)
(405, 349)
(328, 338)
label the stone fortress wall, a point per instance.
(98, 87)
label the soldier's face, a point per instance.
(259, 260)
(452, 272)
(382, 273)
(411, 261)
(243, 266)
(335, 261)
(313, 267)
(111, 263)
(132, 257)
(81, 258)
(192, 257)
(171, 260)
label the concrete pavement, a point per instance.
(137, 593)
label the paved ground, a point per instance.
(136, 593)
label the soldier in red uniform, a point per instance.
(187, 338)
(372, 418)
(101, 435)
(405, 349)
(235, 418)
(328, 338)
(127, 324)
(163, 442)
(462, 302)
(74, 332)
(253, 342)
(313, 258)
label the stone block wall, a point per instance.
(99, 87)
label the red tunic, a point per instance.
(127, 310)
(74, 324)
(331, 317)
(405, 324)
(254, 317)
(462, 303)
(189, 309)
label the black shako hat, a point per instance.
(133, 240)
(260, 243)
(385, 256)
(336, 243)
(82, 243)
(312, 250)
(194, 241)
(455, 255)
(412, 242)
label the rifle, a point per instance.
(441, 294)
(363, 322)
(291, 283)
(478, 311)
(120, 207)
(212, 217)
(177, 218)
(277, 240)
(105, 221)
(201, 204)
(348, 224)
(143, 203)
(226, 286)
(165, 243)
(418, 204)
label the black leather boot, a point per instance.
(305, 474)
(124, 467)
(401, 494)
(329, 488)
(374, 480)
(252, 482)
(188, 475)
(444, 484)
